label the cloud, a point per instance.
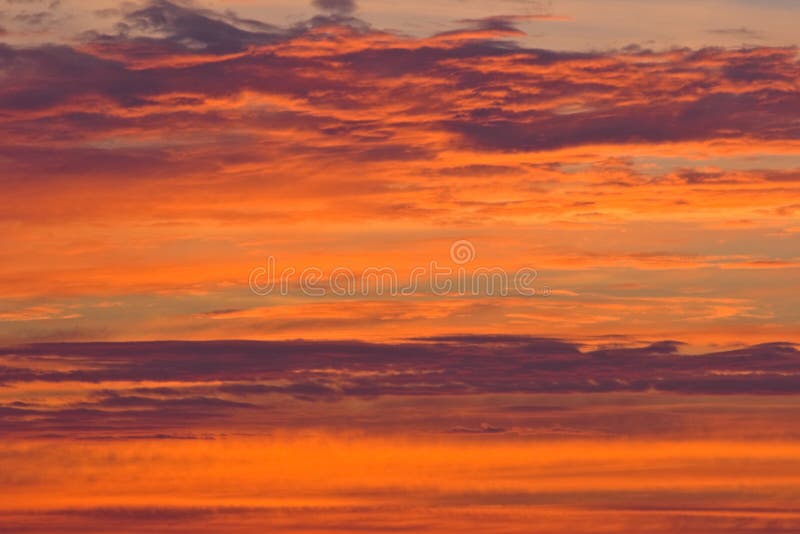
(111, 414)
(36, 313)
(742, 32)
(485, 428)
(164, 28)
(339, 7)
(306, 391)
(337, 90)
(521, 385)
(508, 22)
(480, 364)
(114, 400)
(41, 18)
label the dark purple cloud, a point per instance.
(115, 400)
(463, 384)
(452, 364)
(344, 7)
(167, 27)
(485, 428)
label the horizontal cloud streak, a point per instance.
(453, 364)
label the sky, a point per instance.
(438, 266)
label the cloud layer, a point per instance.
(186, 388)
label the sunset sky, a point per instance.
(163, 162)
